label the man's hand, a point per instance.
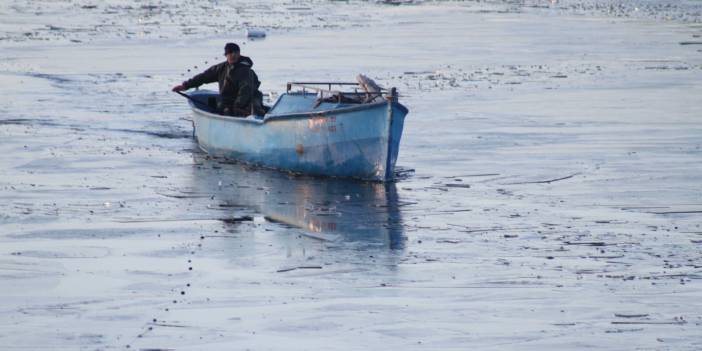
(179, 87)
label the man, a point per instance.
(238, 84)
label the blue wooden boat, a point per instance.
(303, 133)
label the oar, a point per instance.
(187, 97)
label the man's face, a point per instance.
(232, 57)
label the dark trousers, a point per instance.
(230, 110)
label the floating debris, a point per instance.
(282, 270)
(255, 34)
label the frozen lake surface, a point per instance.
(550, 194)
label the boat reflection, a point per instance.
(334, 210)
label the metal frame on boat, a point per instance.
(390, 94)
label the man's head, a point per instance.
(231, 51)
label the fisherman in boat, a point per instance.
(238, 84)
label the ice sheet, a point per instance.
(549, 195)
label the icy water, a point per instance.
(550, 194)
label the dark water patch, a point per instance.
(166, 134)
(629, 315)
(279, 222)
(587, 243)
(620, 331)
(153, 133)
(184, 196)
(403, 173)
(228, 205)
(78, 233)
(156, 274)
(106, 78)
(676, 321)
(233, 220)
(86, 253)
(29, 121)
(678, 212)
(547, 181)
(167, 220)
(288, 269)
(453, 185)
(70, 308)
(54, 78)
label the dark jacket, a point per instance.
(238, 83)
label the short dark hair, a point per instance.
(231, 47)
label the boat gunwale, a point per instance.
(297, 115)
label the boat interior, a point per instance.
(308, 97)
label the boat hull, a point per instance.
(360, 141)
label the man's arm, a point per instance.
(208, 76)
